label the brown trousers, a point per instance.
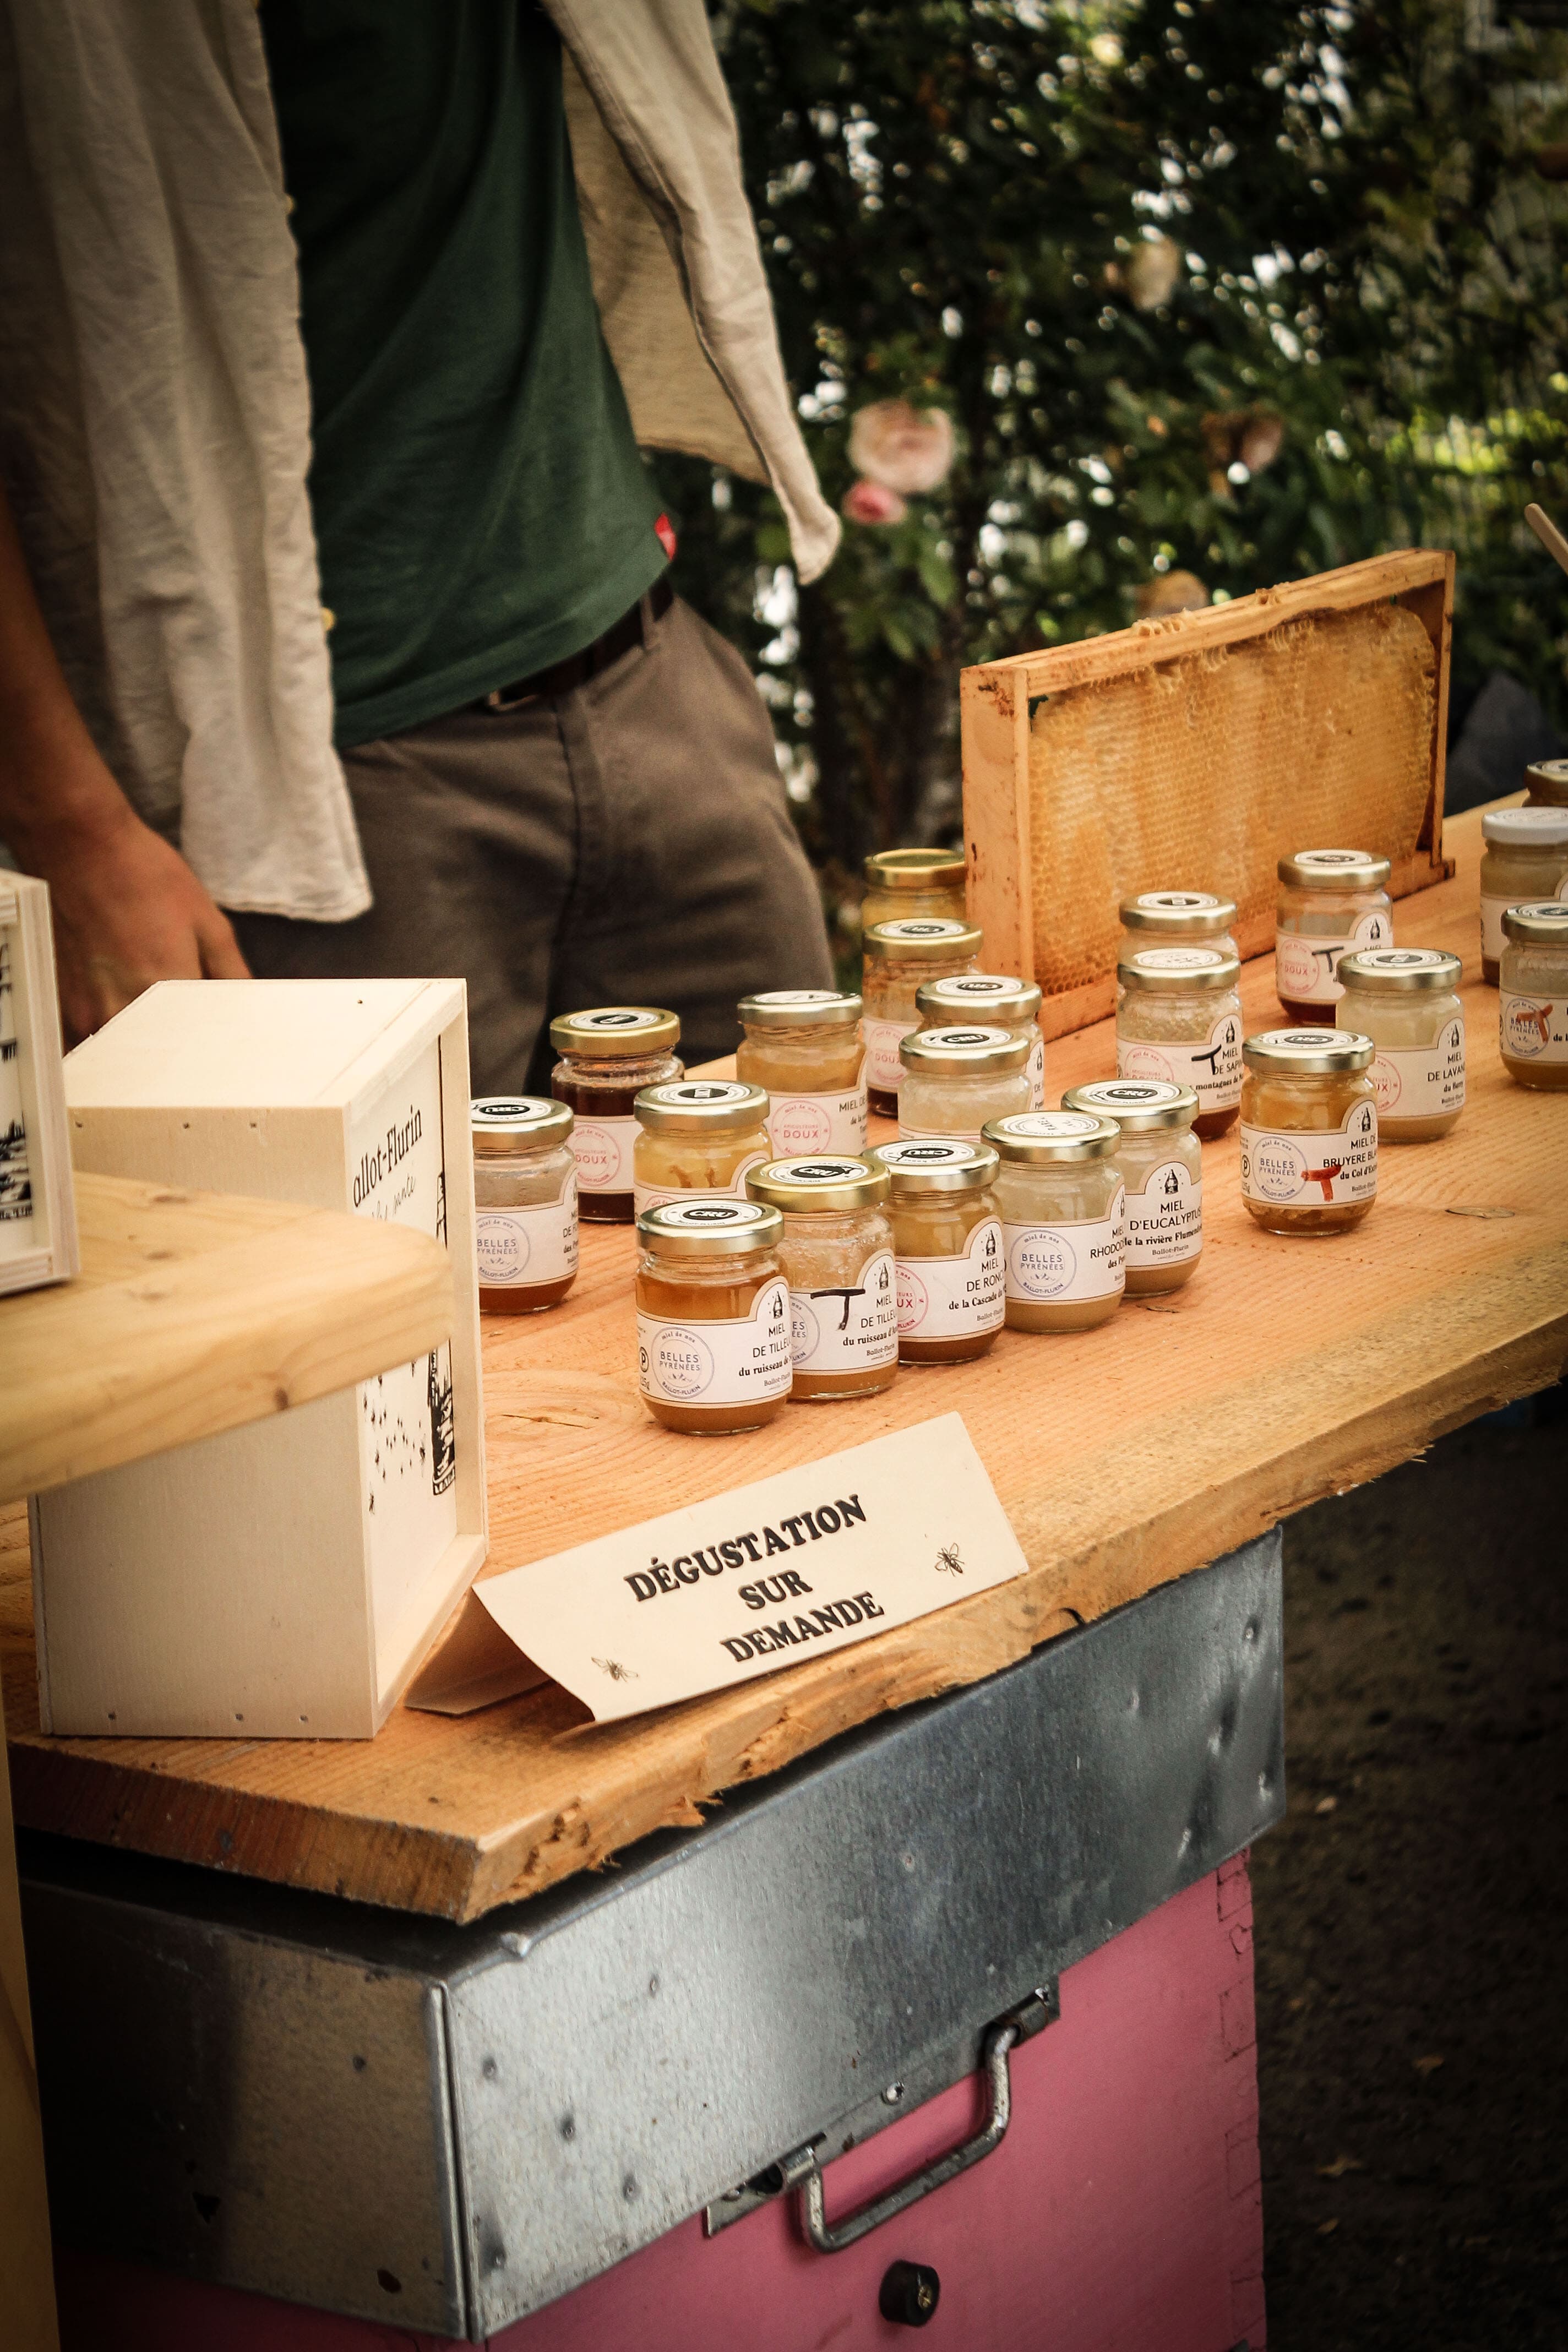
(627, 843)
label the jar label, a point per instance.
(746, 1361)
(1421, 1081)
(1163, 1224)
(523, 1248)
(850, 1329)
(1532, 1028)
(1305, 964)
(802, 1123)
(654, 1196)
(955, 1298)
(602, 1148)
(1212, 1071)
(1314, 1166)
(1035, 1071)
(883, 1068)
(1073, 1259)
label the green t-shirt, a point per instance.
(480, 507)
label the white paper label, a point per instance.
(1163, 1224)
(654, 1196)
(1211, 1070)
(741, 1362)
(1077, 1259)
(1305, 964)
(1035, 1069)
(955, 1298)
(854, 1329)
(883, 1068)
(1532, 1028)
(1421, 1082)
(522, 1248)
(603, 1152)
(1309, 1170)
(798, 1124)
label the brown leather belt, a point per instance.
(564, 677)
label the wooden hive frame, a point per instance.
(1007, 776)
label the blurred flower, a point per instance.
(873, 502)
(1261, 441)
(1177, 592)
(906, 449)
(1252, 437)
(1151, 270)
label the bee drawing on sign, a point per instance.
(949, 1560)
(616, 1672)
(15, 1177)
(443, 1432)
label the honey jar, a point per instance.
(1001, 1002)
(905, 882)
(897, 957)
(1162, 1166)
(1546, 783)
(1532, 1003)
(1178, 1018)
(525, 1203)
(838, 1258)
(1177, 919)
(1061, 1198)
(713, 1353)
(1404, 1000)
(947, 1246)
(1331, 900)
(955, 1079)
(1308, 1131)
(1525, 860)
(607, 1056)
(697, 1135)
(802, 1045)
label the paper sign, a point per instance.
(812, 1561)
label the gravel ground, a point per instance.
(1412, 1960)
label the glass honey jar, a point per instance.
(713, 1348)
(1177, 919)
(838, 1257)
(947, 1247)
(607, 1056)
(697, 1135)
(1178, 1018)
(1331, 901)
(1308, 1131)
(897, 957)
(1546, 783)
(802, 1045)
(1525, 860)
(1161, 1164)
(955, 1079)
(1000, 1002)
(1405, 1001)
(525, 1203)
(907, 882)
(1532, 1001)
(1061, 1193)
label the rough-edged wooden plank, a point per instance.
(996, 734)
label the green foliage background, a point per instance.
(950, 196)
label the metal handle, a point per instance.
(801, 2171)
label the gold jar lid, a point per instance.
(1179, 968)
(1334, 869)
(934, 1163)
(916, 870)
(800, 1008)
(506, 1123)
(612, 1033)
(709, 1228)
(1547, 781)
(1526, 828)
(1139, 1106)
(818, 1185)
(916, 937)
(1542, 923)
(1177, 914)
(1039, 1138)
(701, 1107)
(953, 1053)
(1308, 1053)
(1403, 971)
(977, 995)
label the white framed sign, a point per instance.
(38, 1205)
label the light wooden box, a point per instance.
(283, 1580)
(38, 1208)
(1191, 753)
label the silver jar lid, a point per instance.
(1546, 781)
(820, 1184)
(510, 1123)
(1139, 1106)
(977, 996)
(934, 1163)
(709, 1228)
(1179, 968)
(611, 1033)
(916, 870)
(1178, 914)
(960, 1052)
(918, 938)
(1334, 869)
(1308, 1053)
(1526, 828)
(1049, 1137)
(1541, 923)
(1400, 970)
(701, 1107)
(800, 1008)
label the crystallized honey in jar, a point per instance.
(1331, 901)
(902, 882)
(525, 1203)
(1062, 1202)
(713, 1349)
(991, 998)
(1178, 1017)
(947, 1244)
(1525, 861)
(1176, 918)
(1532, 1001)
(1162, 1166)
(698, 1135)
(897, 957)
(1404, 1000)
(1308, 1131)
(955, 1079)
(802, 1046)
(607, 1056)
(838, 1258)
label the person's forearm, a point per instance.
(52, 780)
